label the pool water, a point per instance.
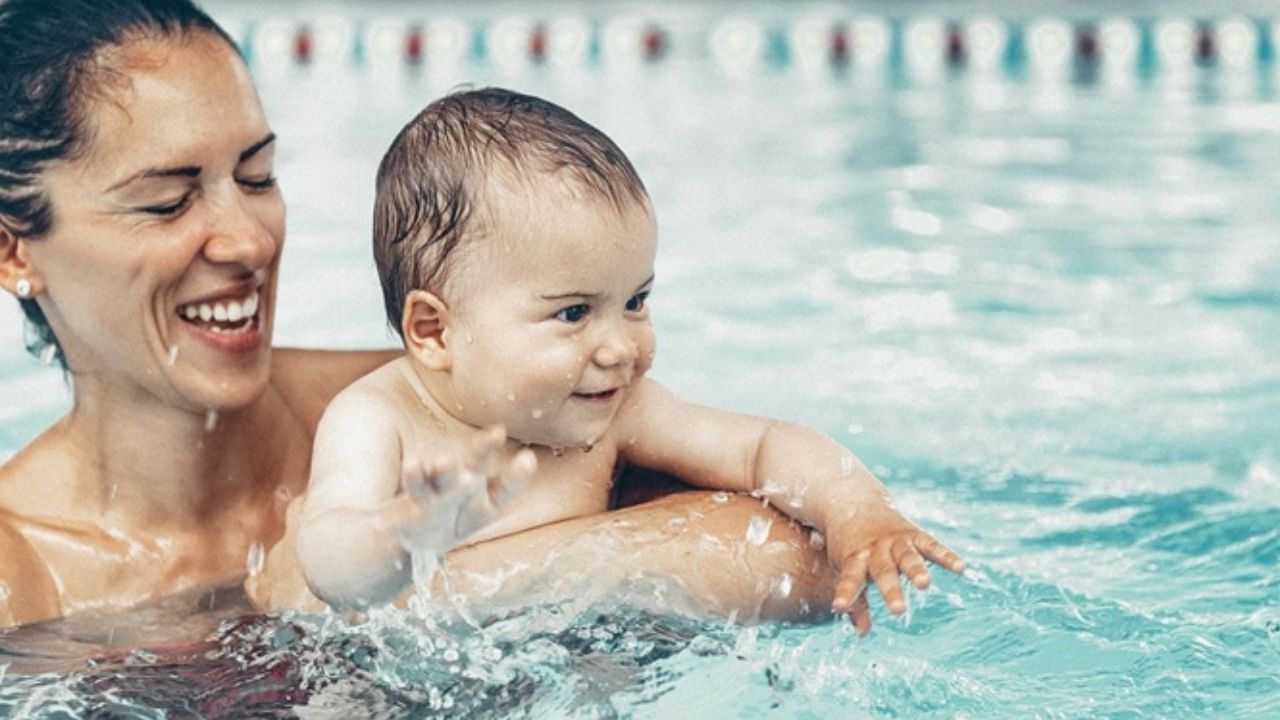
(1043, 309)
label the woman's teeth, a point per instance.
(231, 311)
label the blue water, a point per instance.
(1045, 310)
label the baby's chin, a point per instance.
(556, 442)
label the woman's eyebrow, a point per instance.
(254, 148)
(190, 170)
(185, 171)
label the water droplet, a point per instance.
(511, 397)
(284, 495)
(846, 464)
(781, 586)
(536, 414)
(173, 354)
(816, 540)
(49, 354)
(557, 451)
(210, 420)
(111, 493)
(758, 530)
(256, 559)
(721, 497)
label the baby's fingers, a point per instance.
(860, 614)
(853, 578)
(909, 561)
(884, 571)
(482, 448)
(933, 550)
(516, 477)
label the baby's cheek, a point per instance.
(648, 348)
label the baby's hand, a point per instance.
(881, 545)
(448, 498)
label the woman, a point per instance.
(141, 230)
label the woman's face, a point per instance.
(159, 275)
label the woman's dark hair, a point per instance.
(50, 65)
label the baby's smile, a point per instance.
(602, 396)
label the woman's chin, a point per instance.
(225, 392)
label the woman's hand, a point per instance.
(448, 497)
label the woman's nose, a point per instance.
(239, 232)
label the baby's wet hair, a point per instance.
(431, 179)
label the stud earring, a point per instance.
(23, 288)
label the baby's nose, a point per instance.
(615, 350)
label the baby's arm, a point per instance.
(801, 472)
(347, 541)
(371, 498)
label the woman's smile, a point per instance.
(227, 324)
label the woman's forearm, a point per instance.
(697, 553)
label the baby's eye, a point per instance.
(172, 208)
(637, 301)
(573, 313)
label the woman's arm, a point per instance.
(695, 553)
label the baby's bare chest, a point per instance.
(566, 485)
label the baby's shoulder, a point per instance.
(384, 398)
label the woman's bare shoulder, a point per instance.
(47, 462)
(308, 379)
(27, 590)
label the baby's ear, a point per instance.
(425, 325)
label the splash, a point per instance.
(256, 559)
(758, 530)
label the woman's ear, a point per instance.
(426, 325)
(14, 265)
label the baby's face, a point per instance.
(551, 324)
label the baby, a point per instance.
(515, 245)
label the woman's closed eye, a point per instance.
(168, 208)
(574, 313)
(266, 182)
